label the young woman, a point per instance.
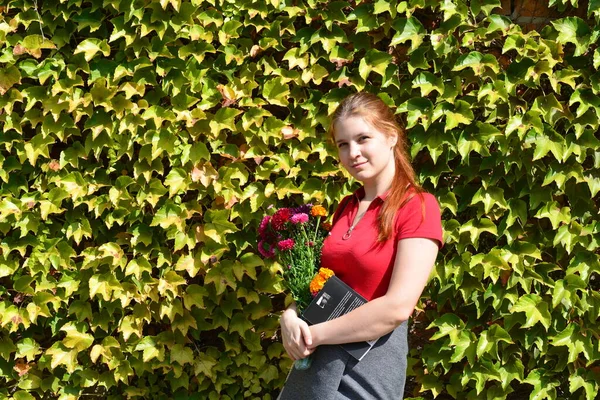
(383, 243)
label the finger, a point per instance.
(299, 352)
(306, 352)
(292, 352)
(291, 355)
(289, 350)
(306, 333)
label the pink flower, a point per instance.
(286, 244)
(299, 218)
(262, 228)
(266, 253)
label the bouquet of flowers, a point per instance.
(295, 237)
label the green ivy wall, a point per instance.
(142, 141)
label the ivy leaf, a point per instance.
(490, 197)
(475, 227)
(103, 285)
(268, 282)
(464, 346)
(221, 278)
(418, 109)
(489, 339)
(486, 6)
(428, 82)
(448, 325)
(33, 44)
(382, 6)
(218, 226)
(586, 99)
(199, 152)
(81, 309)
(269, 373)
(8, 78)
(419, 60)
(190, 264)
(556, 214)
(76, 338)
(7, 347)
(543, 384)
(517, 209)
(62, 356)
(137, 267)
(573, 30)
(90, 47)
(170, 214)
(367, 20)
(568, 236)
(549, 141)
(27, 348)
(276, 91)
(150, 349)
(448, 201)
(177, 181)
(374, 60)
(182, 354)
(535, 309)
(194, 296)
(564, 291)
(458, 113)
(141, 234)
(572, 338)
(22, 394)
(224, 119)
(577, 381)
(477, 62)
(408, 29)
(204, 364)
(240, 323)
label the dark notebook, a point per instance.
(336, 299)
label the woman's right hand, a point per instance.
(296, 335)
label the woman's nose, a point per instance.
(354, 150)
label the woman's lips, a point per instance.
(359, 164)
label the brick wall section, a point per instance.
(535, 14)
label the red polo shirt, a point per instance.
(362, 262)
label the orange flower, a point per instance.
(319, 280)
(318, 211)
(326, 273)
(316, 284)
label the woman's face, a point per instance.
(366, 153)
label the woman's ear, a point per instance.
(393, 139)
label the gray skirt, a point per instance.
(335, 375)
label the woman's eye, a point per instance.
(341, 145)
(363, 138)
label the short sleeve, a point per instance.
(420, 217)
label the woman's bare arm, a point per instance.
(414, 261)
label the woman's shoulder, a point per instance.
(420, 217)
(419, 200)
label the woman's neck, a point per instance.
(376, 188)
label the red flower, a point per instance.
(264, 224)
(265, 252)
(280, 218)
(286, 244)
